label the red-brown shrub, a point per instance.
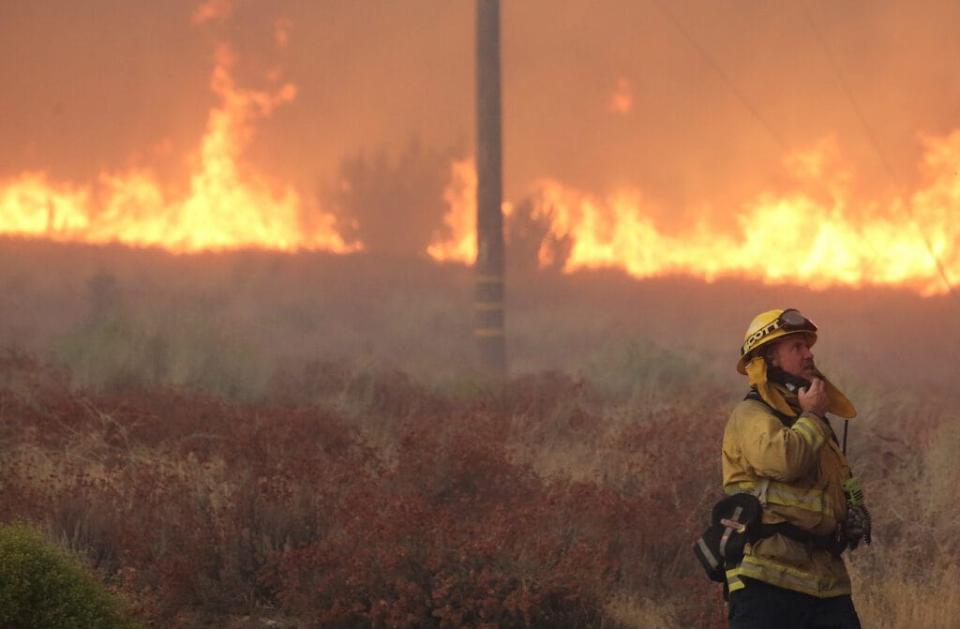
(195, 506)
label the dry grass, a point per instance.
(908, 455)
(930, 601)
(636, 612)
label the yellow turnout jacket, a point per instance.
(798, 471)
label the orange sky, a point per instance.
(104, 83)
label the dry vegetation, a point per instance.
(350, 498)
(230, 448)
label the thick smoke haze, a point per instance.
(696, 104)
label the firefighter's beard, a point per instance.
(810, 370)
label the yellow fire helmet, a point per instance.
(770, 326)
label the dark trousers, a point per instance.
(763, 606)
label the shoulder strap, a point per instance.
(786, 420)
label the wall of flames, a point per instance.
(816, 235)
(816, 240)
(228, 205)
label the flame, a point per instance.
(227, 206)
(460, 242)
(812, 239)
(457, 242)
(621, 100)
(815, 235)
(281, 32)
(212, 10)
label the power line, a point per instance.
(848, 93)
(716, 67)
(874, 143)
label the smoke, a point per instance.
(696, 104)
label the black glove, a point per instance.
(857, 526)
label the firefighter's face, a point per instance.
(793, 355)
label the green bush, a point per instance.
(191, 351)
(43, 586)
(640, 368)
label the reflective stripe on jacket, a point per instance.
(804, 471)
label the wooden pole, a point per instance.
(489, 297)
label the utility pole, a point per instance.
(489, 297)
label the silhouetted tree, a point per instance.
(392, 205)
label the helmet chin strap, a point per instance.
(787, 379)
(761, 376)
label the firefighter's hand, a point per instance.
(857, 526)
(813, 399)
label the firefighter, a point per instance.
(779, 446)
